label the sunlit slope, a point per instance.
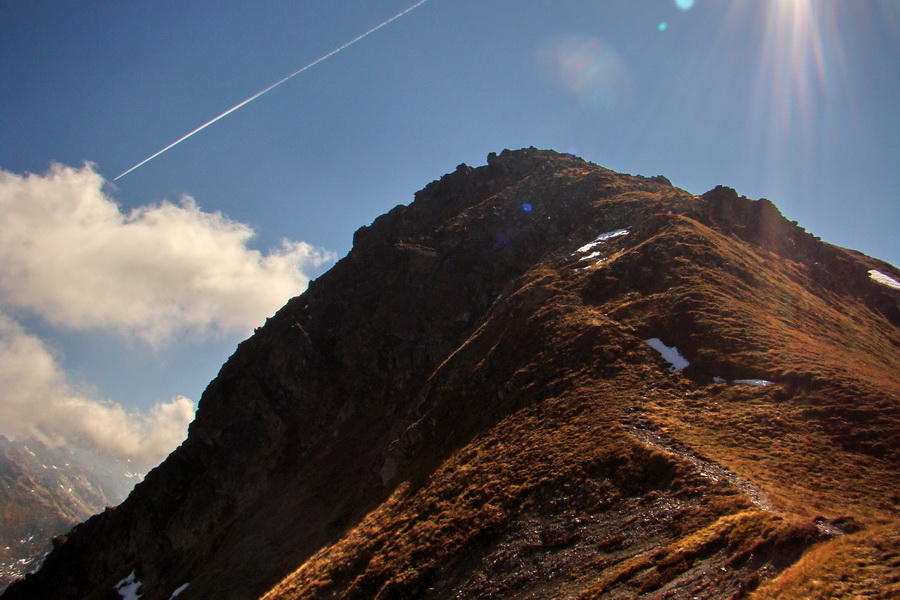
(466, 407)
(558, 496)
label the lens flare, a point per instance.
(588, 68)
(684, 4)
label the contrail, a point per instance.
(272, 87)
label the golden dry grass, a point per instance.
(862, 565)
(562, 362)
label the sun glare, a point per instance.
(794, 67)
(800, 61)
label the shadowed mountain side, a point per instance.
(465, 406)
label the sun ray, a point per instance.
(793, 70)
(796, 90)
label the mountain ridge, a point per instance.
(452, 408)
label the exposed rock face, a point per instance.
(465, 406)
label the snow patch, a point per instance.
(599, 240)
(128, 587)
(177, 592)
(887, 280)
(670, 354)
(754, 382)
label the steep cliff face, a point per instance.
(467, 406)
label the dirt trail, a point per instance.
(707, 468)
(639, 429)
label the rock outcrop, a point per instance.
(465, 406)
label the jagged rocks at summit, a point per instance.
(468, 406)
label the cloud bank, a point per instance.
(71, 257)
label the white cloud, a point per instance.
(71, 256)
(37, 400)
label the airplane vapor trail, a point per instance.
(273, 86)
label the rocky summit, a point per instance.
(540, 379)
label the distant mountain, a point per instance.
(541, 379)
(43, 493)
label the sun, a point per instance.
(799, 73)
(783, 62)
(794, 66)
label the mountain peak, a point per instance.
(469, 405)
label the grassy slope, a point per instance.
(423, 437)
(823, 442)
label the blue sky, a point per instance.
(793, 100)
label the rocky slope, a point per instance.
(43, 493)
(466, 406)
